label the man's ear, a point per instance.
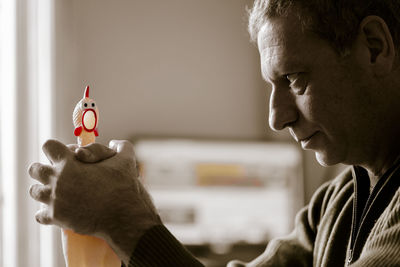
(378, 40)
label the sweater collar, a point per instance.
(368, 207)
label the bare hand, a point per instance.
(94, 190)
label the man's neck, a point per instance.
(373, 179)
(375, 172)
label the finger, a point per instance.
(55, 151)
(40, 193)
(73, 147)
(123, 147)
(94, 153)
(41, 172)
(43, 216)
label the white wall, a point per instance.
(183, 68)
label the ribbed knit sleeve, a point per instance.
(158, 247)
(382, 247)
(296, 249)
(321, 230)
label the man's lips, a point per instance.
(304, 138)
(305, 142)
(307, 138)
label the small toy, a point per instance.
(85, 117)
(82, 250)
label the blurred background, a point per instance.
(178, 78)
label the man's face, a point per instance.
(324, 99)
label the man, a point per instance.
(334, 70)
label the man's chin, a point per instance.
(324, 160)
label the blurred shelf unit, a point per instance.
(223, 193)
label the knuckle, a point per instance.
(43, 219)
(39, 192)
(94, 146)
(31, 190)
(31, 168)
(55, 151)
(72, 147)
(43, 170)
(48, 143)
(46, 220)
(45, 192)
(83, 153)
(40, 171)
(43, 216)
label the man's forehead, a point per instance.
(281, 31)
(279, 42)
(268, 36)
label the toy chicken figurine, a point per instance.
(85, 119)
(82, 250)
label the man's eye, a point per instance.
(297, 82)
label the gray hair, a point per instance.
(336, 21)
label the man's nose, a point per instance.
(282, 109)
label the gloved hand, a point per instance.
(94, 190)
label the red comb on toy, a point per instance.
(86, 94)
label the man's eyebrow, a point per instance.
(265, 76)
(272, 81)
(283, 68)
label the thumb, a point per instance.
(93, 153)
